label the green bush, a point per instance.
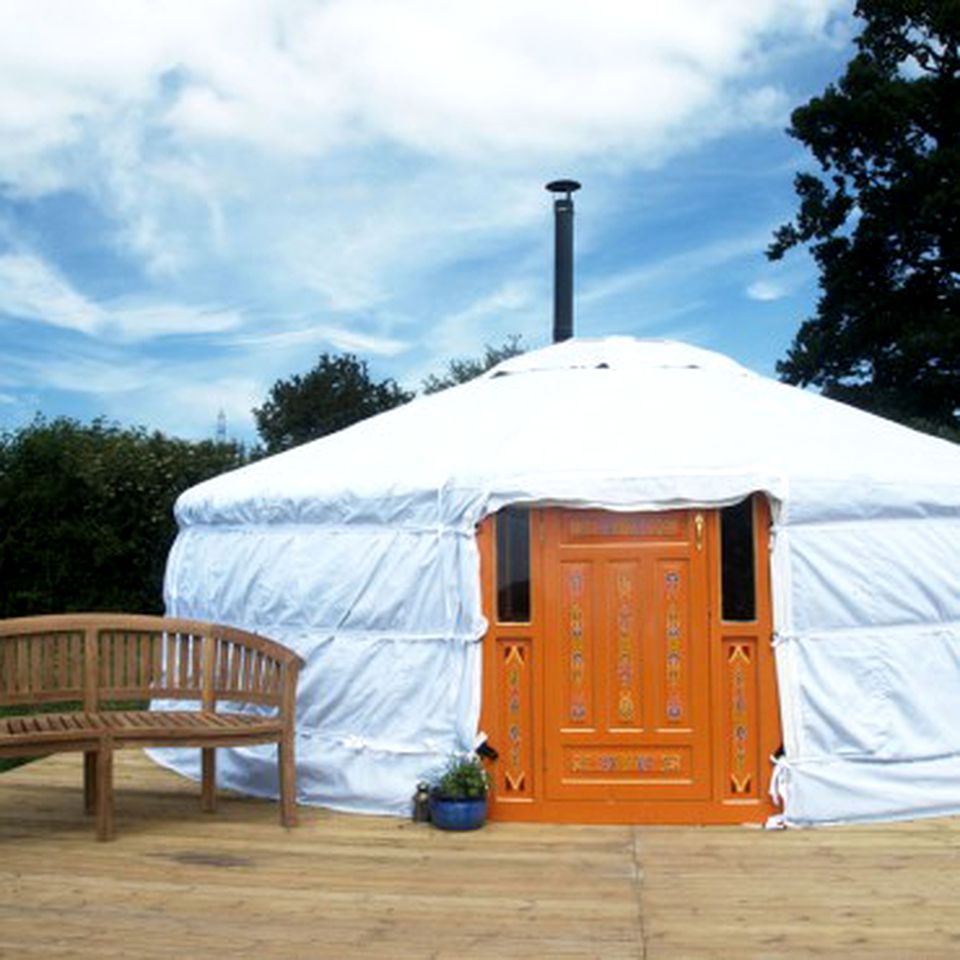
(86, 513)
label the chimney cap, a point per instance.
(563, 186)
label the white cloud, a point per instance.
(765, 290)
(779, 280)
(30, 289)
(674, 268)
(318, 334)
(180, 397)
(489, 319)
(162, 320)
(235, 131)
(102, 376)
(508, 298)
(491, 81)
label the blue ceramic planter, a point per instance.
(458, 814)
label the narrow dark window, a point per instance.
(513, 565)
(737, 563)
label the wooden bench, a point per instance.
(79, 666)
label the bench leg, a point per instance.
(288, 782)
(90, 781)
(104, 765)
(208, 780)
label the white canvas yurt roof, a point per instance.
(358, 550)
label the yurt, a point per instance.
(654, 583)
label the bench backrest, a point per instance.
(94, 657)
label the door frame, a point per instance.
(743, 702)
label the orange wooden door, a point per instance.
(623, 690)
(626, 658)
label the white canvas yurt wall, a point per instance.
(358, 551)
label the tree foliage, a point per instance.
(883, 220)
(86, 513)
(337, 392)
(463, 369)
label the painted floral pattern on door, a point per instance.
(674, 601)
(626, 668)
(575, 590)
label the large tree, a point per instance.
(337, 392)
(883, 220)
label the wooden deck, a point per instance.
(181, 884)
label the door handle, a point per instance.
(698, 531)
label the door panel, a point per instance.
(626, 665)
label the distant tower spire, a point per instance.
(221, 427)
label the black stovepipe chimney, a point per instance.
(563, 258)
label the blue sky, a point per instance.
(197, 199)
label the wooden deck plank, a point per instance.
(179, 883)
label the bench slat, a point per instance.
(183, 658)
(35, 680)
(247, 672)
(143, 660)
(156, 673)
(118, 663)
(196, 662)
(235, 653)
(223, 664)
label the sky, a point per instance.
(199, 198)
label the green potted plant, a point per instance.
(458, 798)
